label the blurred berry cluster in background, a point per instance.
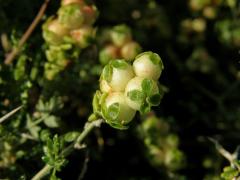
(75, 50)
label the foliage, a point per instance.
(55, 80)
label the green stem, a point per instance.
(67, 151)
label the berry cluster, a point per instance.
(208, 8)
(161, 145)
(67, 34)
(119, 45)
(126, 88)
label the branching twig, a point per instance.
(27, 34)
(67, 151)
(230, 157)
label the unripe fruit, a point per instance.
(120, 35)
(130, 50)
(197, 5)
(135, 91)
(116, 76)
(148, 65)
(108, 53)
(210, 12)
(66, 2)
(53, 32)
(116, 109)
(199, 25)
(90, 14)
(83, 36)
(71, 16)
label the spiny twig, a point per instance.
(6, 116)
(10, 57)
(230, 157)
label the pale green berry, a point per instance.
(108, 53)
(71, 16)
(116, 110)
(197, 5)
(136, 92)
(148, 65)
(83, 36)
(66, 2)
(199, 25)
(120, 35)
(53, 32)
(130, 50)
(116, 75)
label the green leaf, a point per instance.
(52, 121)
(113, 111)
(20, 69)
(145, 108)
(229, 173)
(107, 73)
(136, 95)
(96, 102)
(154, 100)
(118, 125)
(33, 129)
(147, 86)
(119, 64)
(71, 136)
(155, 58)
(122, 29)
(93, 117)
(44, 134)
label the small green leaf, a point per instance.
(107, 73)
(52, 121)
(229, 173)
(122, 29)
(118, 125)
(136, 95)
(119, 64)
(71, 136)
(145, 108)
(33, 129)
(96, 102)
(155, 58)
(93, 117)
(147, 86)
(44, 134)
(154, 100)
(104, 111)
(113, 111)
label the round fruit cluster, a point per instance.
(208, 8)
(71, 29)
(161, 145)
(119, 45)
(126, 88)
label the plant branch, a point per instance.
(69, 149)
(230, 157)
(10, 57)
(9, 114)
(84, 168)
